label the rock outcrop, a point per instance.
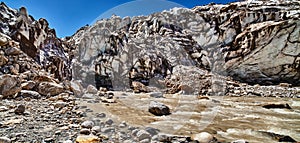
(254, 42)
(31, 56)
(24, 38)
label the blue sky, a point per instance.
(68, 16)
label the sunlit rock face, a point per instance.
(259, 41)
(38, 43)
(253, 42)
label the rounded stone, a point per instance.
(143, 135)
(5, 140)
(85, 131)
(87, 124)
(97, 129)
(109, 122)
(203, 137)
(20, 109)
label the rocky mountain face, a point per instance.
(34, 40)
(252, 42)
(31, 56)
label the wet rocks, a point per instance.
(158, 109)
(156, 94)
(278, 137)
(278, 105)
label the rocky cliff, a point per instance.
(35, 41)
(254, 42)
(31, 56)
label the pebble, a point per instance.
(5, 140)
(142, 135)
(60, 104)
(97, 129)
(20, 109)
(107, 129)
(157, 95)
(101, 115)
(240, 141)
(110, 95)
(3, 108)
(134, 132)
(123, 125)
(109, 122)
(87, 124)
(68, 141)
(49, 140)
(145, 141)
(85, 131)
(152, 131)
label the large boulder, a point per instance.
(50, 88)
(3, 39)
(76, 88)
(9, 85)
(158, 109)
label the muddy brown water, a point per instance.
(227, 118)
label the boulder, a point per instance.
(29, 85)
(91, 89)
(50, 88)
(3, 60)
(9, 85)
(30, 94)
(87, 139)
(87, 124)
(277, 105)
(76, 88)
(138, 87)
(142, 135)
(3, 39)
(203, 137)
(158, 109)
(20, 109)
(156, 95)
(13, 51)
